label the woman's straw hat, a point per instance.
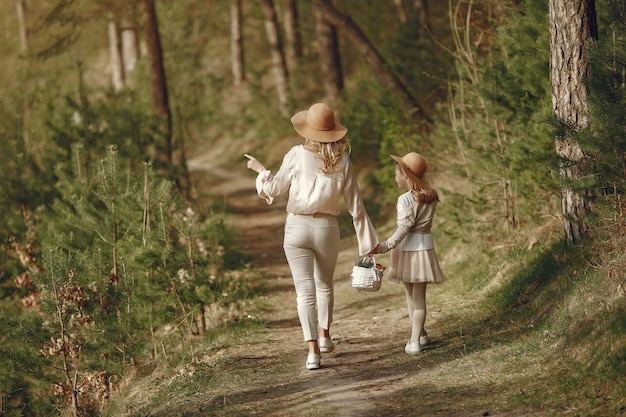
(318, 124)
(413, 165)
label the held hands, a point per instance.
(254, 164)
(375, 250)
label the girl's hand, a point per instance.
(254, 164)
(375, 250)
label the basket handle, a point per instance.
(367, 261)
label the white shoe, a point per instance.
(312, 361)
(424, 340)
(326, 345)
(412, 348)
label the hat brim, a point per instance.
(338, 132)
(420, 182)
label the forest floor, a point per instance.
(368, 374)
(355, 379)
(477, 364)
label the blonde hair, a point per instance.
(422, 195)
(330, 153)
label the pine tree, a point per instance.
(123, 257)
(604, 140)
(607, 97)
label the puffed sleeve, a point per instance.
(270, 186)
(262, 178)
(365, 231)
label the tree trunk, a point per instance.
(400, 8)
(278, 58)
(292, 32)
(21, 23)
(572, 26)
(130, 40)
(330, 59)
(422, 11)
(117, 66)
(157, 73)
(418, 13)
(236, 43)
(371, 56)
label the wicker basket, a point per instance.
(367, 275)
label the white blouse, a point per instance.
(414, 221)
(313, 192)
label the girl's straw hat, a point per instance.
(413, 165)
(318, 124)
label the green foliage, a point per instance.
(22, 371)
(92, 229)
(497, 138)
(494, 132)
(363, 117)
(26, 185)
(114, 271)
(121, 258)
(604, 143)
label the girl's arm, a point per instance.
(405, 218)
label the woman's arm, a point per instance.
(365, 231)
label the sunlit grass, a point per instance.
(549, 338)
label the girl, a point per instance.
(413, 260)
(316, 175)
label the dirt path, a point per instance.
(354, 380)
(469, 369)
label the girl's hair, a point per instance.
(423, 195)
(330, 153)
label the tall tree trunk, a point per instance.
(418, 12)
(21, 23)
(157, 73)
(400, 8)
(372, 57)
(330, 59)
(117, 65)
(236, 43)
(423, 15)
(130, 40)
(292, 32)
(572, 26)
(278, 57)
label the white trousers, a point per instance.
(312, 246)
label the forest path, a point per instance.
(358, 378)
(461, 373)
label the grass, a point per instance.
(550, 339)
(546, 340)
(517, 330)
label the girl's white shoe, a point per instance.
(412, 348)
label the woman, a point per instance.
(316, 174)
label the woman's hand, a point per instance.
(254, 164)
(375, 250)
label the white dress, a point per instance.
(413, 257)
